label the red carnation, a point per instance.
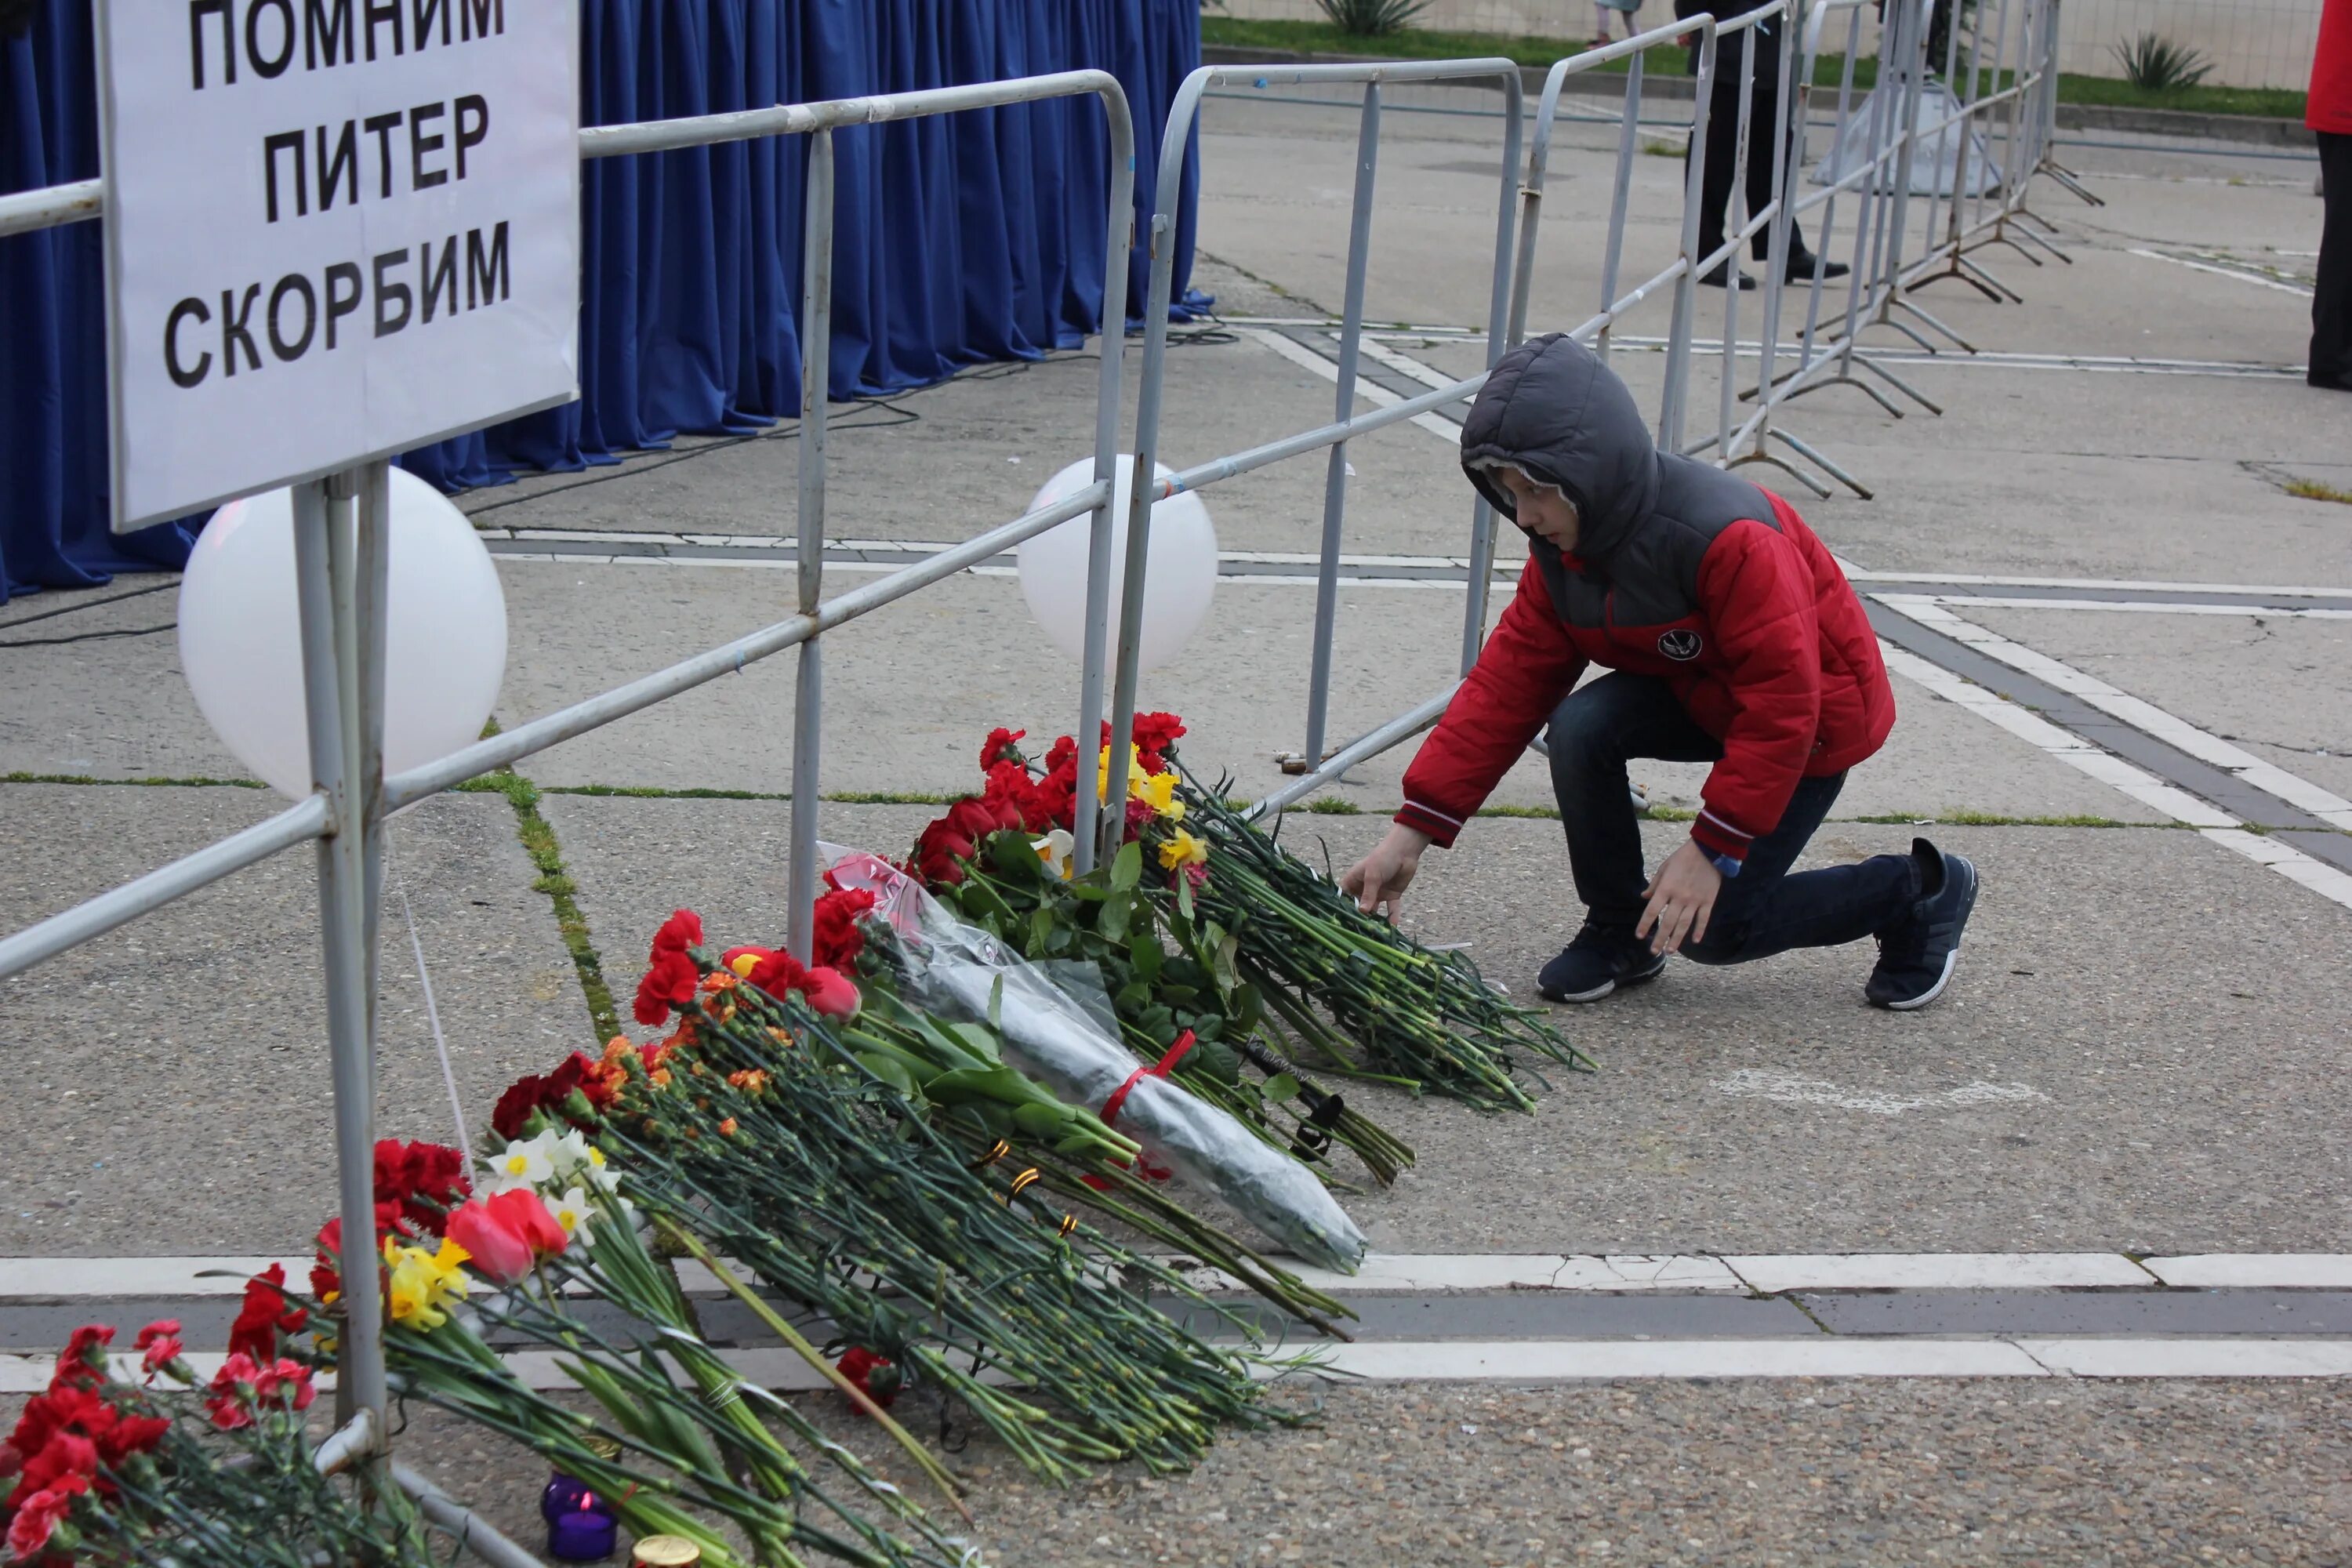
(82, 1362)
(37, 1519)
(228, 1400)
(1001, 746)
(533, 1093)
(65, 1454)
(418, 1183)
(1064, 752)
(1154, 734)
(681, 930)
(265, 1315)
(668, 986)
(838, 941)
(131, 1435)
(874, 1376)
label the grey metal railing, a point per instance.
(339, 571)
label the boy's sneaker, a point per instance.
(1598, 962)
(1918, 953)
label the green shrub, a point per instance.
(2154, 63)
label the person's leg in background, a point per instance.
(1593, 733)
(2331, 301)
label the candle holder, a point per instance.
(580, 1527)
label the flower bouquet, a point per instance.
(1389, 1008)
(685, 1446)
(1131, 935)
(955, 1069)
(754, 1132)
(179, 1469)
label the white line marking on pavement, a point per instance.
(51, 1279)
(2230, 1357)
(2263, 1271)
(1405, 364)
(1787, 1088)
(1553, 1361)
(1414, 1274)
(2112, 584)
(2138, 606)
(1379, 396)
(2144, 716)
(1770, 1276)
(2063, 745)
(2231, 272)
(2210, 822)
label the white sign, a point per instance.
(335, 229)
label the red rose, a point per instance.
(669, 985)
(37, 1519)
(681, 930)
(1001, 746)
(265, 1315)
(838, 941)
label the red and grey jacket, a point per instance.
(1682, 571)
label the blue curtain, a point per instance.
(956, 240)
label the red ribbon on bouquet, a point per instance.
(1111, 1107)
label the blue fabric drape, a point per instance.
(956, 240)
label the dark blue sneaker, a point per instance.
(1918, 953)
(1598, 962)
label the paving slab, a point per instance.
(2165, 1089)
(171, 1090)
(2273, 684)
(1854, 1473)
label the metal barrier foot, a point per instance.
(1900, 303)
(1905, 387)
(1814, 457)
(2065, 176)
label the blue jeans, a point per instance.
(1762, 911)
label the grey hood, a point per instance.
(1554, 411)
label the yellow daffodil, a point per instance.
(422, 1285)
(1056, 849)
(1181, 849)
(1158, 791)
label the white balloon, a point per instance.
(1180, 571)
(241, 632)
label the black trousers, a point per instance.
(1723, 149)
(1762, 910)
(2331, 303)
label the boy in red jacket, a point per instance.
(1733, 638)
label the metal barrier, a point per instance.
(339, 568)
(2010, 79)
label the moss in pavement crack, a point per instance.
(547, 857)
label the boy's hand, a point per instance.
(1681, 896)
(1378, 881)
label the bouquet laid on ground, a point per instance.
(1357, 993)
(1212, 926)
(176, 1468)
(755, 1132)
(1131, 938)
(683, 1445)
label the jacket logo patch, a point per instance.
(1681, 644)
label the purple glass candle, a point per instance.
(582, 1537)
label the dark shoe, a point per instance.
(2329, 382)
(1804, 268)
(1716, 279)
(1598, 962)
(1918, 953)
